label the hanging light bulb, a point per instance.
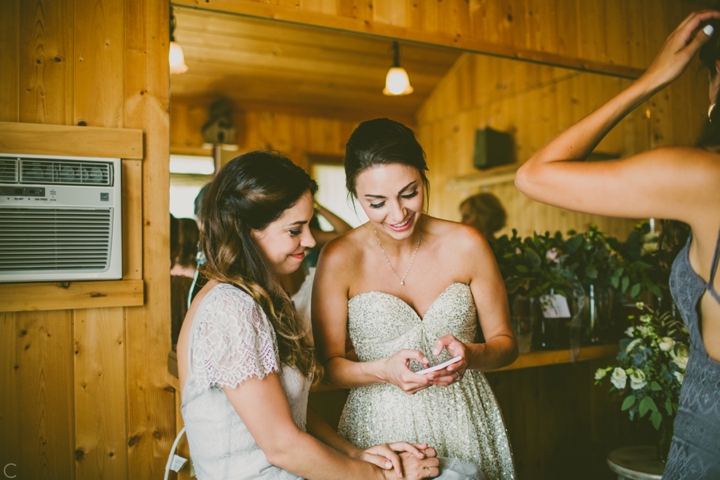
(176, 56)
(397, 81)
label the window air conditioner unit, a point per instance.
(60, 218)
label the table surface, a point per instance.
(637, 463)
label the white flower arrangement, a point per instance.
(653, 358)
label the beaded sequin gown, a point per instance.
(461, 421)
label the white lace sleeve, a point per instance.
(234, 340)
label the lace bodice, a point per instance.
(231, 340)
(461, 421)
(375, 336)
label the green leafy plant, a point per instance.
(639, 270)
(532, 266)
(650, 367)
(591, 258)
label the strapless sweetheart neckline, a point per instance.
(407, 305)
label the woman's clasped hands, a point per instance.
(402, 460)
(397, 367)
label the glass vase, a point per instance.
(560, 332)
(597, 316)
(524, 314)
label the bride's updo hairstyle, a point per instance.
(249, 193)
(382, 142)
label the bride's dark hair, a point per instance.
(249, 193)
(382, 142)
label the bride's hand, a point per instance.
(386, 456)
(679, 49)
(415, 468)
(452, 373)
(399, 374)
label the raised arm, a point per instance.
(339, 225)
(658, 182)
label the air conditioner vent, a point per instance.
(55, 239)
(8, 170)
(65, 172)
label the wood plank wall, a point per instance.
(83, 391)
(596, 35)
(293, 133)
(534, 103)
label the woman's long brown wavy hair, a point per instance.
(249, 193)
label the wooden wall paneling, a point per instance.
(99, 56)
(44, 394)
(360, 9)
(567, 27)
(150, 401)
(532, 101)
(391, 14)
(42, 139)
(569, 445)
(321, 6)
(10, 418)
(541, 26)
(423, 15)
(46, 70)
(10, 61)
(187, 117)
(132, 203)
(18, 297)
(635, 33)
(453, 19)
(590, 21)
(99, 385)
(443, 37)
(615, 34)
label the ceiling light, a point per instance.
(177, 58)
(396, 81)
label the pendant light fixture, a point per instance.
(177, 58)
(396, 81)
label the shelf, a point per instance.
(556, 357)
(505, 173)
(46, 139)
(23, 297)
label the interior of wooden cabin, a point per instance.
(89, 390)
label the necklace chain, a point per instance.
(402, 279)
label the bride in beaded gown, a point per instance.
(461, 420)
(410, 291)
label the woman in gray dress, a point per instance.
(677, 183)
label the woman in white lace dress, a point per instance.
(245, 366)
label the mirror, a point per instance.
(302, 90)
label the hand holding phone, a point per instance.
(439, 366)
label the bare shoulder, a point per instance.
(697, 161)
(457, 236)
(342, 251)
(463, 248)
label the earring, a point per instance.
(710, 110)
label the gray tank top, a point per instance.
(695, 450)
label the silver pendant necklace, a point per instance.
(402, 279)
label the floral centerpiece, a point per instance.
(650, 370)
